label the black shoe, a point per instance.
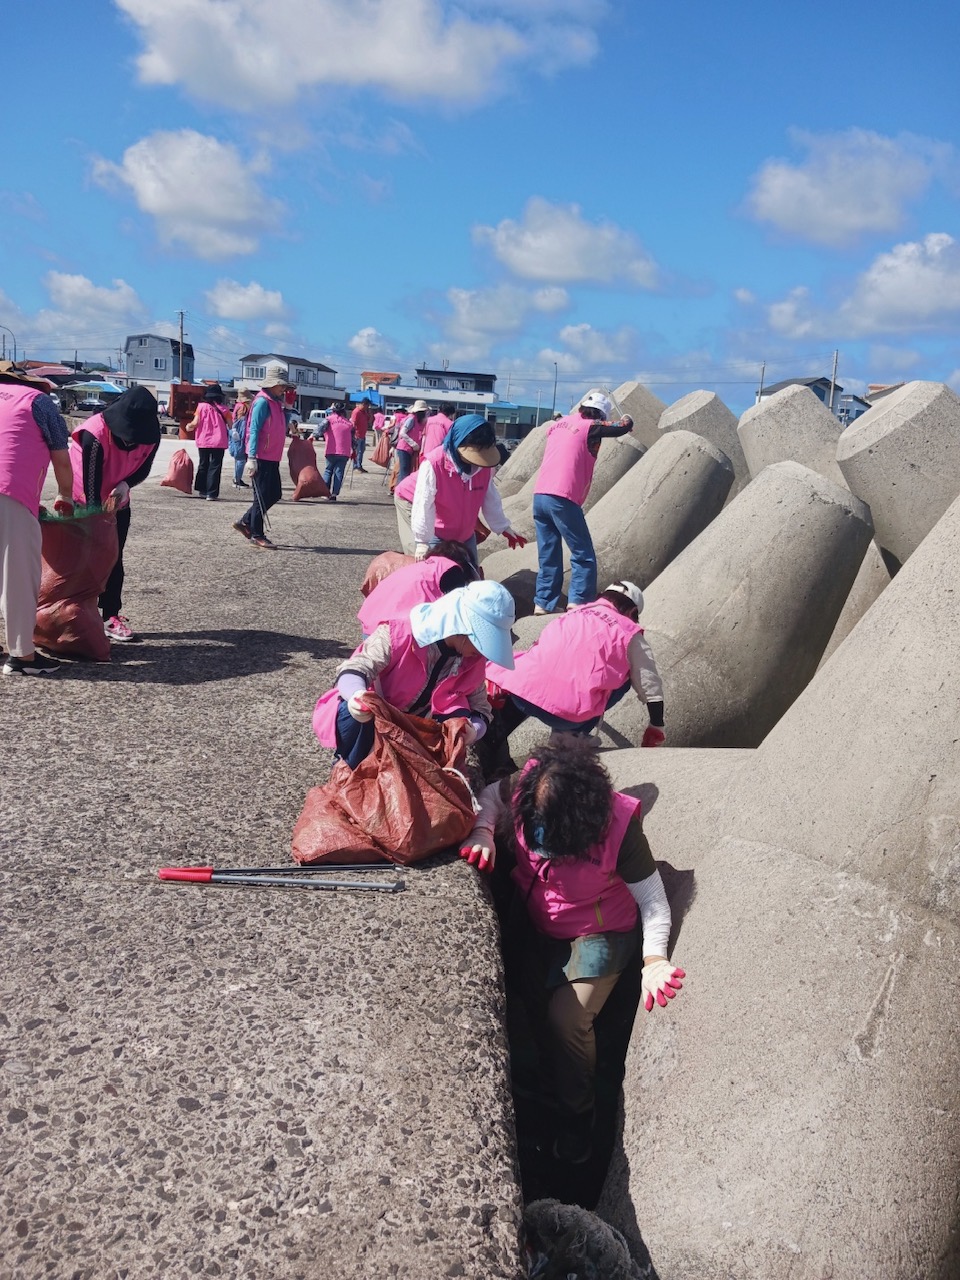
(38, 665)
(240, 484)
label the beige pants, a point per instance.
(19, 574)
(570, 1014)
(404, 511)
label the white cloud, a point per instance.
(588, 349)
(479, 319)
(849, 184)
(203, 195)
(552, 298)
(915, 286)
(92, 319)
(745, 297)
(372, 347)
(412, 49)
(231, 300)
(554, 242)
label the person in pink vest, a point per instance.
(338, 442)
(561, 489)
(33, 436)
(583, 874)
(360, 421)
(452, 489)
(266, 436)
(410, 437)
(438, 424)
(446, 567)
(212, 437)
(111, 453)
(585, 661)
(430, 663)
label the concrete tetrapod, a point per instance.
(658, 508)
(523, 463)
(705, 414)
(739, 621)
(791, 426)
(812, 1056)
(644, 408)
(903, 459)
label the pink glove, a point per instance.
(513, 539)
(659, 981)
(653, 736)
(482, 852)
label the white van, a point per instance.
(317, 422)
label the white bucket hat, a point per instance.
(275, 375)
(597, 400)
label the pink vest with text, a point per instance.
(118, 463)
(436, 432)
(579, 660)
(273, 432)
(396, 595)
(339, 436)
(403, 680)
(211, 427)
(24, 454)
(567, 467)
(414, 429)
(458, 501)
(573, 897)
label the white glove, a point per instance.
(420, 551)
(250, 470)
(660, 982)
(470, 733)
(358, 708)
(118, 497)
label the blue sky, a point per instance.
(671, 192)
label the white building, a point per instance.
(315, 384)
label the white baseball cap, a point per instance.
(597, 400)
(631, 591)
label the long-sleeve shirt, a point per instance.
(645, 677)
(423, 515)
(258, 416)
(50, 421)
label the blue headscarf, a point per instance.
(464, 426)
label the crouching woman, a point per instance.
(430, 662)
(584, 871)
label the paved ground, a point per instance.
(232, 1082)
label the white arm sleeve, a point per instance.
(492, 511)
(491, 808)
(423, 517)
(644, 675)
(651, 897)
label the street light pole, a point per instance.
(14, 337)
(553, 407)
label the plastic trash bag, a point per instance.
(381, 567)
(78, 556)
(179, 473)
(310, 484)
(300, 454)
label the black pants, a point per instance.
(111, 601)
(267, 491)
(207, 483)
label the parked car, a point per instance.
(317, 423)
(91, 404)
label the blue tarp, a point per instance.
(375, 398)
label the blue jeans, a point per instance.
(336, 465)
(238, 464)
(359, 448)
(404, 464)
(559, 520)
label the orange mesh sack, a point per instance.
(300, 454)
(406, 801)
(179, 473)
(78, 556)
(310, 484)
(381, 567)
(381, 450)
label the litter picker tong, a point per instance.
(281, 877)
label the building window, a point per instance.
(139, 361)
(159, 363)
(254, 371)
(141, 342)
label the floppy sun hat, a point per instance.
(419, 406)
(479, 441)
(487, 613)
(275, 375)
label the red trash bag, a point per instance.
(78, 556)
(310, 484)
(300, 454)
(381, 567)
(381, 450)
(179, 473)
(406, 801)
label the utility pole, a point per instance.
(553, 407)
(539, 393)
(763, 370)
(180, 373)
(833, 379)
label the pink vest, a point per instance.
(379, 422)
(403, 680)
(458, 502)
(415, 430)
(396, 595)
(118, 463)
(436, 432)
(273, 432)
(572, 897)
(339, 436)
(211, 427)
(579, 660)
(567, 467)
(24, 454)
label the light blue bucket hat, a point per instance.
(482, 611)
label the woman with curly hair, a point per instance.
(585, 873)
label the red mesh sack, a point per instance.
(300, 454)
(406, 801)
(310, 484)
(381, 567)
(179, 473)
(78, 556)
